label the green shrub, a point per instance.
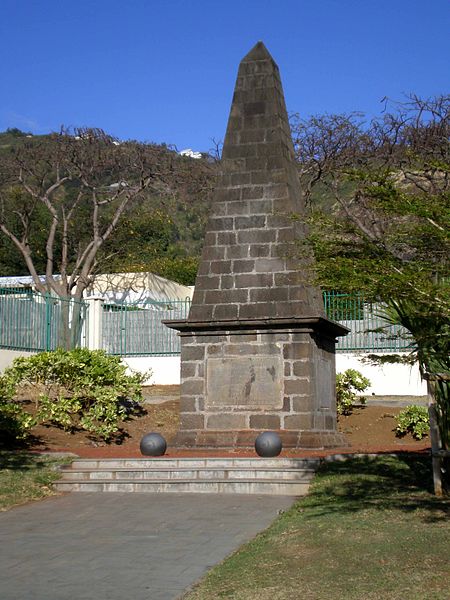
(15, 422)
(83, 388)
(413, 419)
(347, 384)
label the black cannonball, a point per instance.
(153, 444)
(268, 444)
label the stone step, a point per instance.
(220, 486)
(216, 473)
(195, 463)
(197, 475)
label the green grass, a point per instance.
(369, 529)
(25, 477)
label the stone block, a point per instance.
(251, 192)
(238, 208)
(220, 224)
(188, 369)
(254, 108)
(319, 421)
(330, 422)
(227, 421)
(189, 353)
(296, 351)
(272, 294)
(284, 232)
(253, 236)
(254, 280)
(302, 403)
(258, 250)
(282, 226)
(240, 251)
(226, 238)
(240, 179)
(242, 349)
(296, 387)
(251, 222)
(192, 387)
(299, 422)
(188, 405)
(215, 349)
(225, 311)
(200, 312)
(214, 252)
(218, 267)
(185, 439)
(244, 338)
(264, 421)
(238, 151)
(260, 207)
(243, 266)
(246, 439)
(234, 123)
(191, 422)
(298, 294)
(261, 177)
(263, 310)
(287, 406)
(206, 282)
(225, 296)
(301, 368)
(216, 439)
(210, 338)
(253, 136)
(265, 265)
(289, 439)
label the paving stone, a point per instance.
(114, 546)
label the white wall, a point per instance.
(386, 380)
(7, 356)
(165, 369)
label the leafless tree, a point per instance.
(62, 197)
(80, 183)
(345, 158)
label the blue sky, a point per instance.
(164, 70)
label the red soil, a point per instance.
(368, 429)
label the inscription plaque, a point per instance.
(245, 381)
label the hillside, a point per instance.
(161, 232)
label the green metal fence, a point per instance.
(139, 331)
(369, 332)
(37, 322)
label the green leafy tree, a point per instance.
(379, 221)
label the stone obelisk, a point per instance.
(257, 351)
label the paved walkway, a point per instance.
(115, 546)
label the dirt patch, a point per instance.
(371, 426)
(368, 429)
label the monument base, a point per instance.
(240, 379)
(245, 439)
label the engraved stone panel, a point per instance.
(253, 381)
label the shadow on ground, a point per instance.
(384, 483)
